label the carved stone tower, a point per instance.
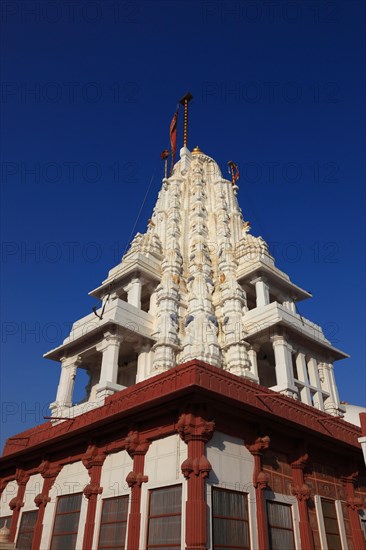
(197, 285)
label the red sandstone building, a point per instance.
(211, 418)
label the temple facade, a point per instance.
(211, 417)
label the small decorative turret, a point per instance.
(5, 543)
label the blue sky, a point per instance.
(88, 93)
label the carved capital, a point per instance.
(16, 504)
(302, 492)
(199, 466)
(300, 463)
(71, 362)
(191, 427)
(349, 482)
(49, 469)
(262, 480)
(21, 477)
(41, 500)
(135, 445)
(355, 503)
(94, 456)
(133, 479)
(259, 446)
(92, 490)
(109, 339)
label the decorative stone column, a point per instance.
(315, 381)
(109, 369)
(153, 300)
(133, 290)
(289, 304)
(283, 360)
(93, 461)
(137, 448)
(201, 324)
(326, 372)
(17, 502)
(262, 291)
(144, 362)
(168, 291)
(67, 381)
(354, 505)
(196, 431)
(252, 353)
(49, 472)
(302, 493)
(303, 377)
(260, 482)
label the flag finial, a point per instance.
(184, 101)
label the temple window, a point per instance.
(331, 524)
(26, 530)
(164, 519)
(280, 526)
(230, 522)
(66, 525)
(113, 525)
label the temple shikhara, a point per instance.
(211, 418)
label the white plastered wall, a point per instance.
(113, 481)
(232, 468)
(9, 492)
(162, 465)
(72, 479)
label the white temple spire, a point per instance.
(198, 285)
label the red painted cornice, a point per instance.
(194, 377)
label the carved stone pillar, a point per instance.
(285, 379)
(196, 431)
(133, 290)
(261, 291)
(49, 472)
(315, 381)
(354, 504)
(153, 300)
(144, 362)
(67, 381)
(252, 353)
(109, 369)
(260, 482)
(93, 461)
(17, 502)
(303, 377)
(302, 492)
(137, 448)
(332, 403)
